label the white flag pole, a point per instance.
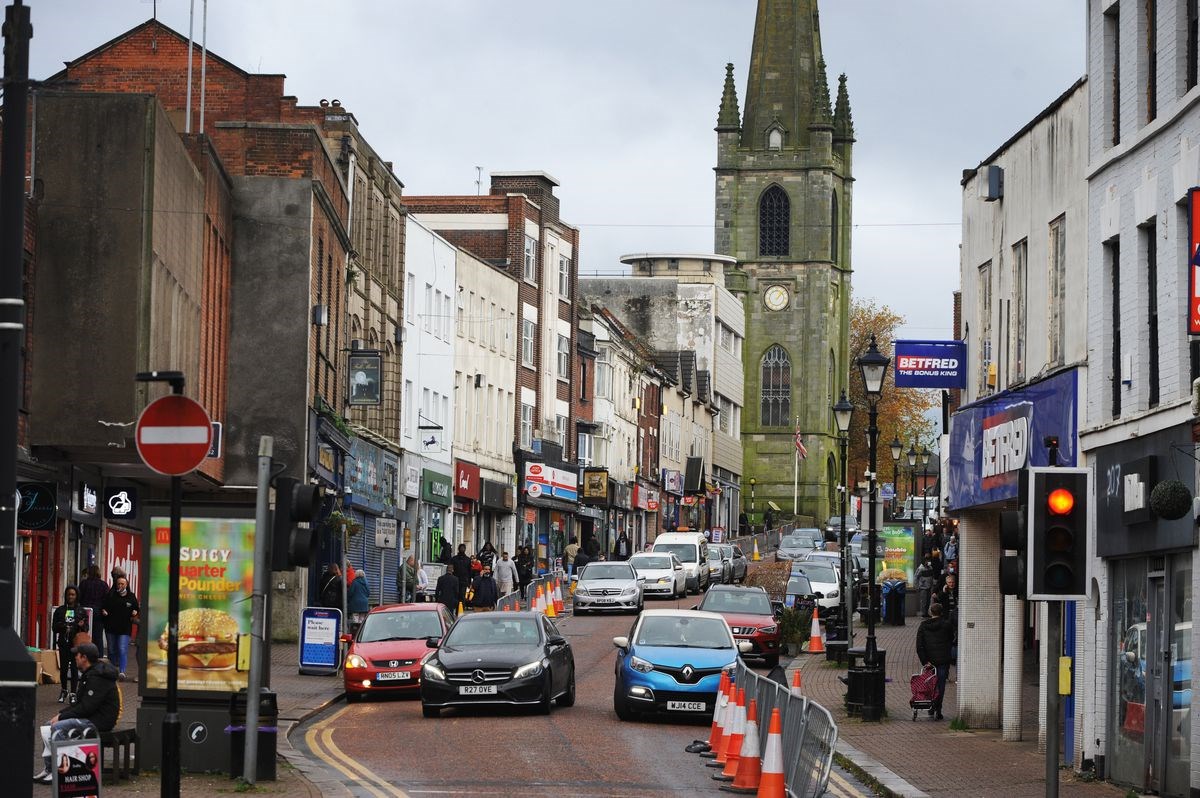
(796, 475)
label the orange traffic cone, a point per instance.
(558, 599)
(816, 644)
(749, 769)
(700, 746)
(550, 602)
(747, 717)
(796, 681)
(771, 783)
(460, 608)
(735, 728)
(716, 737)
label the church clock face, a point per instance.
(776, 297)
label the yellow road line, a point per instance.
(320, 741)
(843, 787)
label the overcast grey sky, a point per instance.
(618, 100)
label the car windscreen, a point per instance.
(682, 631)
(750, 602)
(799, 586)
(643, 563)
(380, 626)
(815, 571)
(795, 542)
(686, 552)
(607, 570)
(715, 554)
(493, 630)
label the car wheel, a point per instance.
(543, 707)
(621, 706)
(430, 712)
(681, 593)
(567, 699)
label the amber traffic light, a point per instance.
(1058, 533)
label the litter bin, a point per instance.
(268, 720)
(893, 601)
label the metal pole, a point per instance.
(170, 741)
(258, 606)
(796, 485)
(872, 440)
(17, 671)
(847, 607)
(1053, 627)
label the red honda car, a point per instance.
(750, 616)
(385, 656)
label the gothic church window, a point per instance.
(776, 406)
(835, 227)
(775, 139)
(774, 222)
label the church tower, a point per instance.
(783, 203)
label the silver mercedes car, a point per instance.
(608, 586)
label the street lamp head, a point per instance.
(912, 456)
(842, 412)
(873, 365)
(753, 481)
(897, 448)
(925, 453)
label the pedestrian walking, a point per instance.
(120, 610)
(524, 562)
(330, 590)
(406, 579)
(358, 600)
(569, 553)
(581, 559)
(447, 591)
(768, 521)
(925, 584)
(935, 639)
(92, 590)
(98, 707)
(486, 594)
(444, 551)
(422, 592)
(68, 621)
(951, 549)
(487, 555)
(505, 573)
(622, 548)
(461, 565)
(592, 547)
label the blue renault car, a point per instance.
(671, 663)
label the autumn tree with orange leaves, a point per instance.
(903, 412)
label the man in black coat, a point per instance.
(446, 591)
(330, 591)
(935, 641)
(98, 706)
(460, 564)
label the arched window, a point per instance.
(775, 139)
(776, 388)
(835, 227)
(774, 222)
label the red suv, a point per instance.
(750, 616)
(386, 654)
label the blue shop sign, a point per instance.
(371, 475)
(992, 440)
(931, 364)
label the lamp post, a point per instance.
(924, 485)
(753, 481)
(873, 366)
(912, 471)
(842, 412)
(897, 448)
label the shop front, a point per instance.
(672, 499)
(434, 512)
(496, 506)
(467, 492)
(1149, 564)
(645, 515)
(371, 476)
(86, 523)
(38, 529)
(549, 501)
(726, 500)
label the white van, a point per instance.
(691, 548)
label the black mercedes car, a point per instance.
(515, 658)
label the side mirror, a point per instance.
(678, 567)
(745, 646)
(777, 613)
(622, 643)
(557, 640)
(819, 595)
(433, 642)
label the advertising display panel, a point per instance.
(216, 579)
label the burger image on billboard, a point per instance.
(208, 639)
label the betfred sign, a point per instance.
(1193, 262)
(931, 364)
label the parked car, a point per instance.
(750, 616)
(385, 655)
(738, 562)
(720, 569)
(671, 662)
(833, 527)
(515, 658)
(661, 574)
(692, 550)
(822, 573)
(1132, 680)
(799, 543)
(608, 586)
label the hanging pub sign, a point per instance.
(366, 383)
(120, 503)
(931, 364)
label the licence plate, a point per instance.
(477, 689)
(606, 601)
(393, 676)
(686, 706)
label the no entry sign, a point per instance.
(173, 435)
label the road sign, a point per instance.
(173, 435)
(385, 533)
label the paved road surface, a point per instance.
(386, 749)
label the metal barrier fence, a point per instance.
(766, 540)
(809, 732)
(509, 601)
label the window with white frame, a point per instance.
(528, 333)
(1020, 311)
(446, 316)
(428, 320)
(410, 297)
(459, 314)
(564, 357)
(584, 448)
(526, 425)
(604, 375)
(564, 277)
(560, 430)
(492, 324)
(726, 337)
(530, 272)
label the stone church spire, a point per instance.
(843, 123)
(822, 117)
(784, 72)
(729, 119)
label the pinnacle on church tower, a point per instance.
(729, 119)
(843, 123)
(822, 118)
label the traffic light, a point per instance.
(1013, 535)
(1058, 533)
(293, 526)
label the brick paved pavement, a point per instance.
(298, 698)
(927, 754)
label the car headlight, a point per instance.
(530, 669)
(831, 594)
(768, 630)
(629, 590)
(355, 661)
(640, 665)
(666, 580)
(433, 670)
